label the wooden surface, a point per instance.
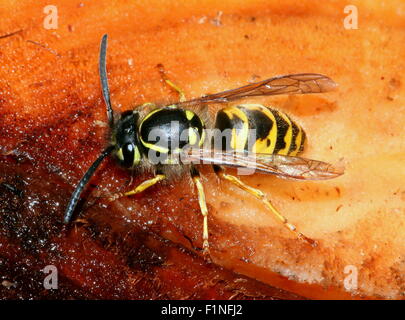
(50, 102)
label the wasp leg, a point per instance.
(141, 187)
(203, 207)
(261, 196)
(170, 83)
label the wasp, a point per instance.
(277, 141)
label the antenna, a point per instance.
(83, 182)
(104, 80)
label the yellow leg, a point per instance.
(204, 210)
(143, 186)
(261, 196)
(162, 71)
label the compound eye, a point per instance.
(128, 154)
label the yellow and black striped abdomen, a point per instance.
(271, 131)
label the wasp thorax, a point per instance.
(165, 131)
(125, 139)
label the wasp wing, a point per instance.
(301, 83)
(287, 167)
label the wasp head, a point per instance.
(125, 139)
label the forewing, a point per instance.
(296, 168)
(301, 83)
